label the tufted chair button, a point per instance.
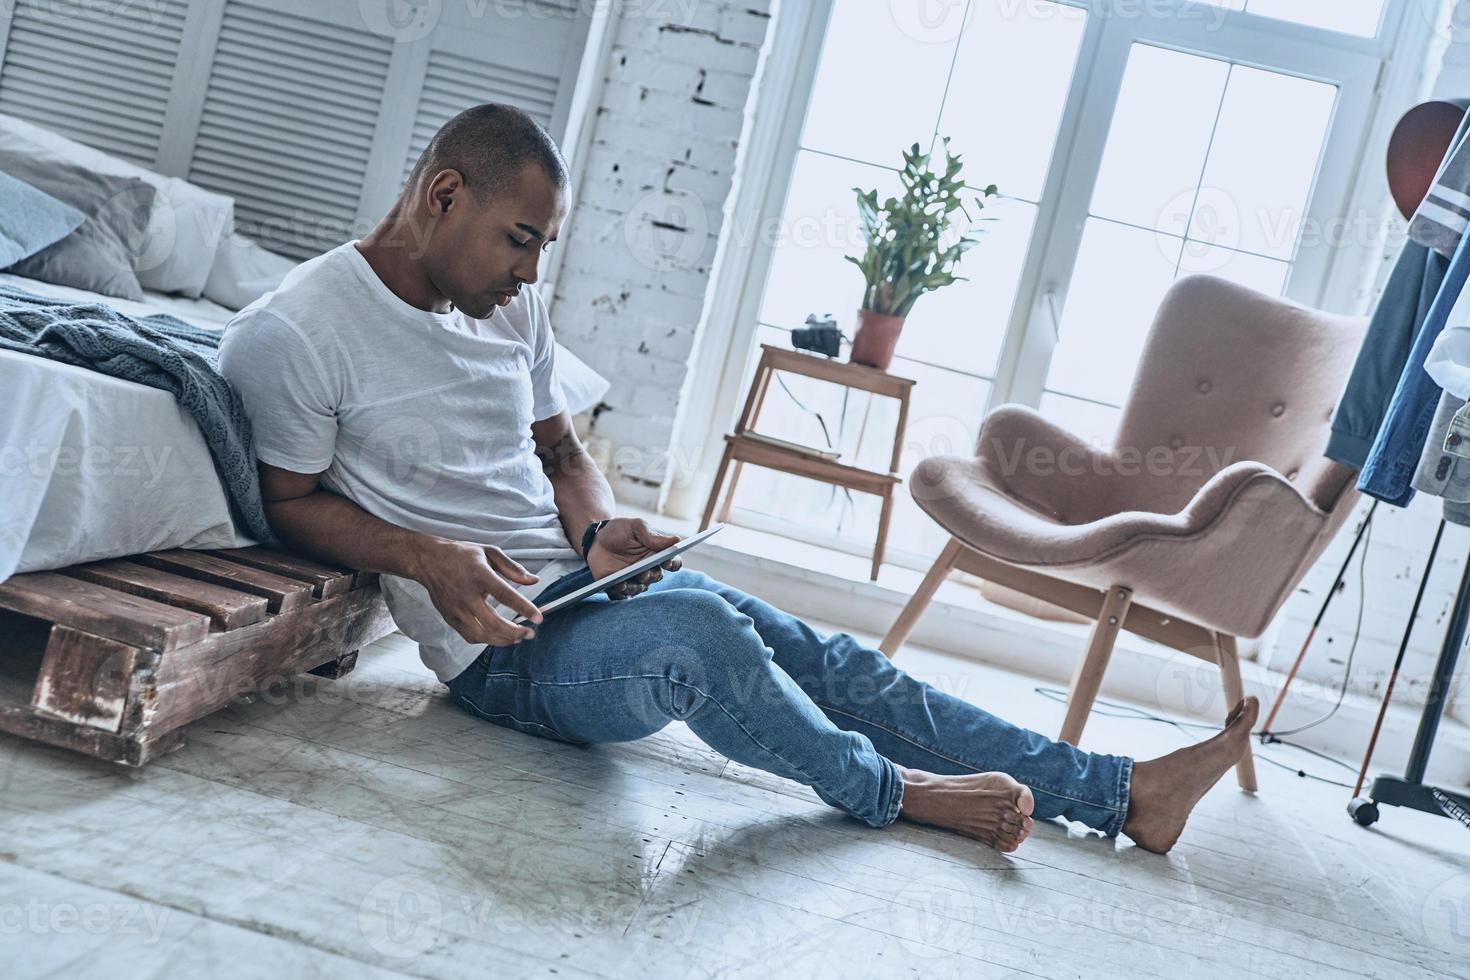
(1278, 410)
(1176, 443)
(1204, 387)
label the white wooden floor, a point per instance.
(367, 828)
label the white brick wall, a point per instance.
(647, 217)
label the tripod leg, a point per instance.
(1398, 661)
(1326, 601)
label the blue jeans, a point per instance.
(763, 688)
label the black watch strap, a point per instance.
(589, 534)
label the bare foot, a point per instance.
(988, 806)
(1165, 790)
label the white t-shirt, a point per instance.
(422, 419)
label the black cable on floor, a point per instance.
(1347, 670)
(1131, 712)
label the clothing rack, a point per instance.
(1410, 790)
(1427, 132)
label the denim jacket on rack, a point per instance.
(1406, 299)
(1389, 470)
(1444, 468)
(1457, 432)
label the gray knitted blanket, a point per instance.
(159, 351)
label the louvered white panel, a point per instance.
(288, 121)
(99, 73)
(454, 82)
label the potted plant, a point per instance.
(907, 255)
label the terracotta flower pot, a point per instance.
(876, 337)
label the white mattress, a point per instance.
(94, 467)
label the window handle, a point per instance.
(1051, 309)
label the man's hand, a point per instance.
(464, 579)
(621, 542)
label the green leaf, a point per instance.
(909, 248)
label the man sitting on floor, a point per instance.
(408, 419)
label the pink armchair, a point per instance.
(1197, 524)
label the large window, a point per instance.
(1207, 168)
(1133, 143)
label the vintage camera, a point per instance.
(821, 336)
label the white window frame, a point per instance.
(1376, 77)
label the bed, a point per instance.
(96, 467)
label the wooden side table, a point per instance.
(741, 448)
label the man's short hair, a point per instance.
(490, 145)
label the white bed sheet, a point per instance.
(94, 467)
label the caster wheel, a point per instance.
(1363, 810)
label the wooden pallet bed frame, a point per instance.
(114, 658)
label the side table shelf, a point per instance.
(743, 447)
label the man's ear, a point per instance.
(443, 198)
(444, 189)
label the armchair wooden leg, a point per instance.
(1087, 678)
(1245, 769)
(904, 624)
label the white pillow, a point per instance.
(583, 386)
(243, 272)
(188, 222)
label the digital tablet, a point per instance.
(639, 566)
